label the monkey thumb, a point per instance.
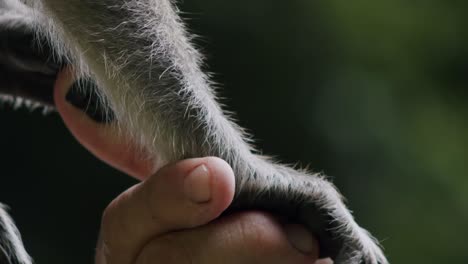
(80, 111)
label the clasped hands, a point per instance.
(173, 215)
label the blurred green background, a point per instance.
(373, 93)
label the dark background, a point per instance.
(374, 93)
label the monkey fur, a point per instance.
(148, 73)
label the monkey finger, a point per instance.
(247, 237)
(184, 195)
(100, 139)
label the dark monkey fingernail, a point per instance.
(83, 95)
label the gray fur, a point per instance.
(11, 247)
(149, 74)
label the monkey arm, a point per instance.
(22, 63)
(149, 74)
(22, 66)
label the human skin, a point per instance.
(172, 216)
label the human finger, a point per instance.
(89, 123)
(248, 237)
(180, 196)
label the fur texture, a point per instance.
(11, 247)
(149, 74)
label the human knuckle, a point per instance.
(258, 231)
(166, 249)
(110, 212)
(112, 218)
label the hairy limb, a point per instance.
(11, 247)
(149, 74)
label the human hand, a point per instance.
(172, 216)
(169, 219)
